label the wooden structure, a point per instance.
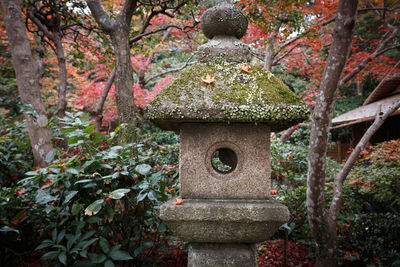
(359, 119)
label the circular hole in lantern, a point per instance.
(224, 160)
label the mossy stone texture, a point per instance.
(234, 95)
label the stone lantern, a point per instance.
(224, 109)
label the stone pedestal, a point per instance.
(214, 254)
(224, 221)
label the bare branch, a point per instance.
(187, 63)
(39, 24)
(276, 61)
(342, 174)
(184, 29)
(102, 100)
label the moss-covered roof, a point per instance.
(234, 93)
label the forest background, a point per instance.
(83, 173)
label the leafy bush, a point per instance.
(371, 205)
(289, 179)
(97, 203)
(15, 152)
(375, 177)
(371, 239)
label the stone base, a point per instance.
(219, 255)
(224, 221)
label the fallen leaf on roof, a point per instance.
(208, 80)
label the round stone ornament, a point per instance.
(224, 20)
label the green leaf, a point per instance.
(152, 195)
(72, 239)
(73, 140)
(32, 173)
(85, 244)
(119, 255)
(89, 129)
(143, 169)
(94, 208)
(119, 193)
(84, 181)
(60, 236)
(50, 156)
(76, 208)
(62, 257)
(141, 196)
(43, 197)
(97, 137)
(45, 244)
(8, 229)
(73, 171)
(97, 258)
(69, 196)
(50, 255)
(105, 247)
(109, 263)
(94, 219)
(90, 185)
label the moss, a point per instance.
(231, 86)
(234, 96)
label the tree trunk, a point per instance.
(118, 30)
(269, 51)
(124, 82)
(322, 226)
(268, 59)
(27, 80)
(62, 90)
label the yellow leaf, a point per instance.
(245, 68)
(208, 80)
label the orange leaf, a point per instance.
(356, 254)
(178, 201)
(245, 68)
(208, 80)
(353, 181)
(169, 190)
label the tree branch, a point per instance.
(39, 24)
(342, 174)
(127, 11)
(378, 51)
(106, 23)
(140, 36)
(102, 100)
(276, 61)
(187, 63)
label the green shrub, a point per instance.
(98, 202)
(289, 178)
(375, 178)
(15, 152)
(371, 239)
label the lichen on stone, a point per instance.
(235, 96)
